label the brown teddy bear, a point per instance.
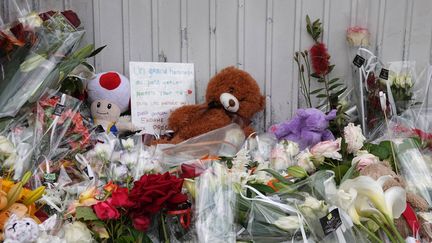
(232, 96)
(415, 201)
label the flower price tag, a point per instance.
(358, 61)
(331, 222)
(58, 110)
(384, 74)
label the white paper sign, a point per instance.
(156, 90)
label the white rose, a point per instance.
(313, 207)
(287, 223)
(282, 155)
(103, 151)
(7, 152)
(128, 144)
(363, 159)
(358, 36)
(354, 138)
(327, 149)
(305, 161)
(77, 232)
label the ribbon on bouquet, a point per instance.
(262, 198)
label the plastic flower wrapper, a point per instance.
(215, 206)
(260, 147)
(310, 198)
(55, 115)
(16, 145)
(268, 218)
(38, 64)
(225, 141)
(283, 155)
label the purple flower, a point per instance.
(307, 128)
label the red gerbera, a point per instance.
(320, 59)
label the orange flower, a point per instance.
(110, 187)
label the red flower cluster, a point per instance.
(149, 195)
(70, 15)
(320, 59)
(109, 209)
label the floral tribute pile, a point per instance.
(345, 168)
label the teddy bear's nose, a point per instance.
(231, 102)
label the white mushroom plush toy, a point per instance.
(109, 94)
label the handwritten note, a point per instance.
(156, 90)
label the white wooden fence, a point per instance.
(259, 36)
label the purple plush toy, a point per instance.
(307, 128)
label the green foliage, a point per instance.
(277, 176)
(86, 214)
(227, 160)
(297, 171)
(314, 29)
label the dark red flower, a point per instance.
(320, 59)
(70, 15)
(120, 198)
(105, 211)
(191, 170)
(153, 192)
(141, 222)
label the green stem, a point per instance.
(395, 231)
(308, 68)
(327, 92)
(166, 240)
(384, 228)
(373, 237)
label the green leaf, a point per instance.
(380, 151)
(95, 52)
(321, 96)
(315, 75)
(308, 21)
(277, 176)
(297, 171)
(262, 188)
(348, 174)
(335, 86)
(340, 171)
(333, 80)
(340, 92)
(85, 213)
(316, 91)
(331, 67)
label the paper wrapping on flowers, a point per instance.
(41, 55)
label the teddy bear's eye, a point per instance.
(109, 106)
(98, 104)
(231, 90)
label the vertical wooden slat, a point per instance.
(198, 44)
(155, 29)
(140, 30)
(212, 36)
(184, 30)
(268, 63)
(227, 33)
(126, 31)
(394, 23)
(169, 30)
(241, 34)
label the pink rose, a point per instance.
(327, 149)
(364, 159)
(357, 36)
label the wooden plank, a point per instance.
(109, 26)
(226, 33)
(169, 30)
(198, 44)
(393, 35)
(268, 63)
(140, 30)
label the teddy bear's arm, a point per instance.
(248, 130)
(210, 120)
(183, 116)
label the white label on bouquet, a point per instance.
(156, 90)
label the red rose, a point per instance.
(320, 59)
(105, 211)
(70, 15)
(141, 222)
(120, 198)
(191, 170)
(153, 192)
